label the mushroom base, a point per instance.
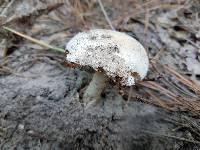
(95, 88)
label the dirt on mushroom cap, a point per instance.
(118, 54)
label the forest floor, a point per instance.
(40, 106)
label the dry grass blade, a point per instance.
(157, 87)
(160, 102)
(178, 102)
(183, 79)
(146, 28)
(9, 70)
(105, 14)
(39, 42)
(173, 137)
(78, 11)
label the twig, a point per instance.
(105, 14)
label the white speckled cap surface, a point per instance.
(120, 56)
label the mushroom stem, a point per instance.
(95, 88)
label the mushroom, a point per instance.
(112, 54)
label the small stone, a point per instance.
(21, 127)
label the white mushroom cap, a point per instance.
(120, 56)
